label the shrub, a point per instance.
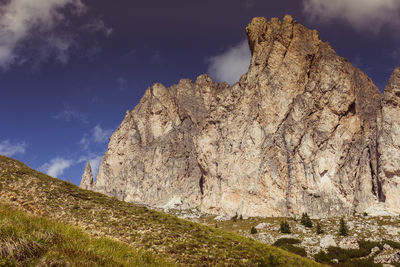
(273, 260)
(287, 244)
(319, 229)
(285, 228)
(253, 230)
(343, 230)
(285, 241)
(241, 217)
(306, 221)
(322, 257)
(365, 214)
(296, 250)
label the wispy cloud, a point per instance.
(97, 135)
(364, 15)
(56, 166)
(121, 81)
(97, 25)
(101, 135)
(10, 149)
(35, 31)
(157, 58)
(69, 114)
(231, 64)
(22, 19)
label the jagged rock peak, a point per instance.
(392, 89)
(302, 131)
(87, 177)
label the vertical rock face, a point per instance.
(87, 177)
(298, 133)
(389, 144)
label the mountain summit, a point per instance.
(302, 131)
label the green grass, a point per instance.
(172, 239)
(31, 240)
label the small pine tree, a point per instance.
(241, 217)
(319, 229)
(306, 221)
(253, 230)
(343, 230)
(234, 218)
(285, 228)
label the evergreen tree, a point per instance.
(306, 221)
(285, 228)
(343, 230)
(319, 229)
(253, 230)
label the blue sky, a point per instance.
(69, 69)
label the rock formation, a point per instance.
(87, 177)
(389, 144)
(300, 132)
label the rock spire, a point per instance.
(87, 177)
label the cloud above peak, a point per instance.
(365, 15)
(231, 64)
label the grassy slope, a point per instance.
(31, 240)
(173, 239)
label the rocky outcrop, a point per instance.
(389, 144)
(87, 178)
(298, 133)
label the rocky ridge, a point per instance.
(302, 131)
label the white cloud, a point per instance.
(231, 64)
(101, 135)
(69, 113)
(21, 20)
(97, 135)
(8, 149)
(56, 166)
(365, 15)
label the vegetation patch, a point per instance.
(29, 241)
(173, 239)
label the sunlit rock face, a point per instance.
(389, 144)
(297, 133)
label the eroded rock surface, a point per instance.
(298, 133)
(389, 144)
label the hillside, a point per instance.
(31, 240)
(183, 242)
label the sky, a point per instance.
(70, 69)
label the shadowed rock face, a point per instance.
(298, 133)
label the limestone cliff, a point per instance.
(298, 133)
(389, 144)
